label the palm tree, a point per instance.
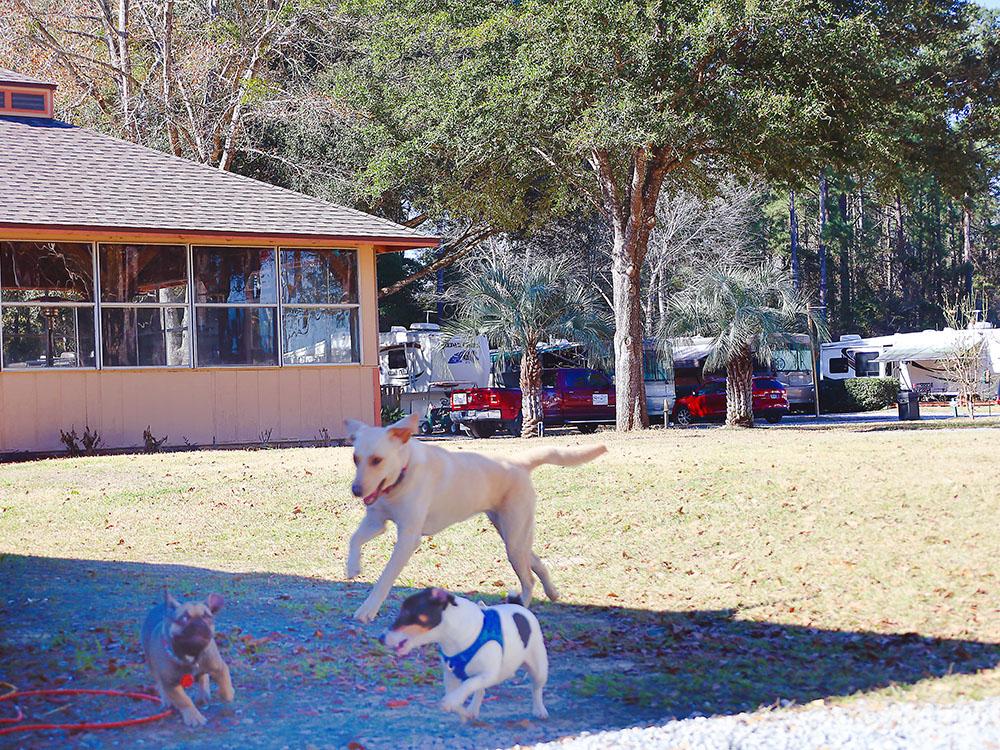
(518, 305)
(746, 310)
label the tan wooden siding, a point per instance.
(204, 406)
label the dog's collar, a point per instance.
(399, 481)
(491, 631)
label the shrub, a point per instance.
(857, 394)
(151, 443)
(392, 414)
(90, 440)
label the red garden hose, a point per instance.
(76, 727)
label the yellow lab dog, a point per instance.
(423, 489)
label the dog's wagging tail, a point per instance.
(559, 456)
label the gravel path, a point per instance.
(900, 726)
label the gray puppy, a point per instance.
(179, 642)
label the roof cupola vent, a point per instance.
(24, 96)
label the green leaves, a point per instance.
(738, 306)
(518, 304)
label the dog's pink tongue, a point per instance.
(369, 499)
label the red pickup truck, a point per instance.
(570, 396)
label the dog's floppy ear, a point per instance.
(169, 600)
(442, 596)
(403, 429)
(214, 602)
(353, 426)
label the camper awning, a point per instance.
(687, 352)
(944, 346)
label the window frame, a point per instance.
(868, 358)
(838, 371)
(96, 305)
(101, 304)
(92, 304)
(319, 306)
(195, 306)
(8, 108)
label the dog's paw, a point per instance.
(193, 718)
(453, 706)
(540, 713)
(366, 612)
(352, 571)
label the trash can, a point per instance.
(909, 405)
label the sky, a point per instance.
(990, 3)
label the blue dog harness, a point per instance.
(491, 632)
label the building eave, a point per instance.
(387, 243)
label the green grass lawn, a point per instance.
(875, 535)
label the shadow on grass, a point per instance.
(305, 673)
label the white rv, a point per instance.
(855, 357)
(914, 358)
(421, 365)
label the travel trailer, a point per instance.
(420, 366)
(914, 358)
(855, 357)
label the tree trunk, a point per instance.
(531, 391)
(125, 62)
(168, 68)
(739, 390)
(661, 297)
(845, 266)
(822, 240)
(630, 389)
(631, 209)
(902, 262)
(793, 230)
(967, 247)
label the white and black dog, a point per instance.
(480, 646)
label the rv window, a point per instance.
(865, 365)
(397, 359)
(549, 379)
(839, 366)
(654, 367)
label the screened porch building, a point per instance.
(138, 289)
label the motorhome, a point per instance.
(914, 358)
(420, 366)
(791, 364)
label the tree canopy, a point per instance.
(599, 102)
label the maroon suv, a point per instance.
(574, 396)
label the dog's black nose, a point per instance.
(381, 639)
(356, 489)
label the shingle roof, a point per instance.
(12, 76)
(52, 173)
